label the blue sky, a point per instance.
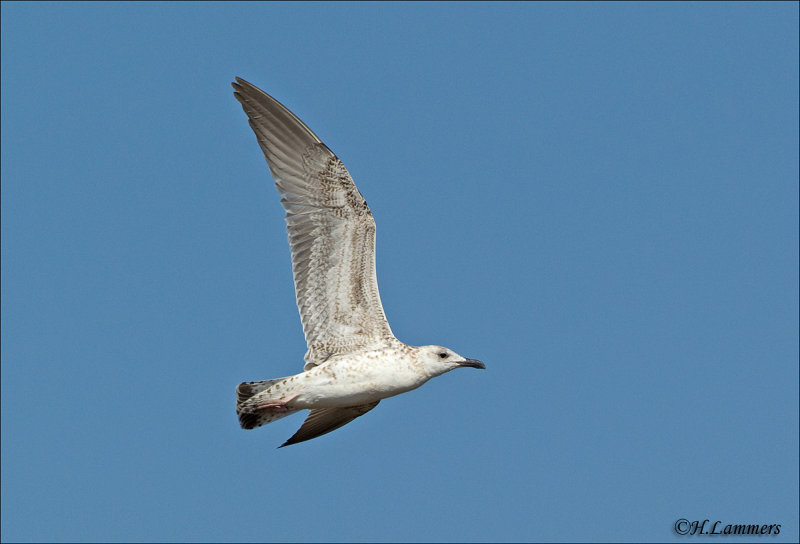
(599, 201)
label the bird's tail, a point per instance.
(259, 403)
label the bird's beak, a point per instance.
(473, 363)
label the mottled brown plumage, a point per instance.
(353, 359)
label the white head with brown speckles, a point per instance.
(437, 360)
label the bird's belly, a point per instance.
(346, 385)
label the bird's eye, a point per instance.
(443, 355)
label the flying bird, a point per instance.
(353, 359)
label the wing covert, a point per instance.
(324, 420)
(331, 232)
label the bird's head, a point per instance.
(437, 360)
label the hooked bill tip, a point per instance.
(474, 363)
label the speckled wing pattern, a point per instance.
(331, 233)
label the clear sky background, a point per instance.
(600, 201)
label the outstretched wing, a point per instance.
(325, 420)
(331, 232)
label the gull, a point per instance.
(353, 359)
